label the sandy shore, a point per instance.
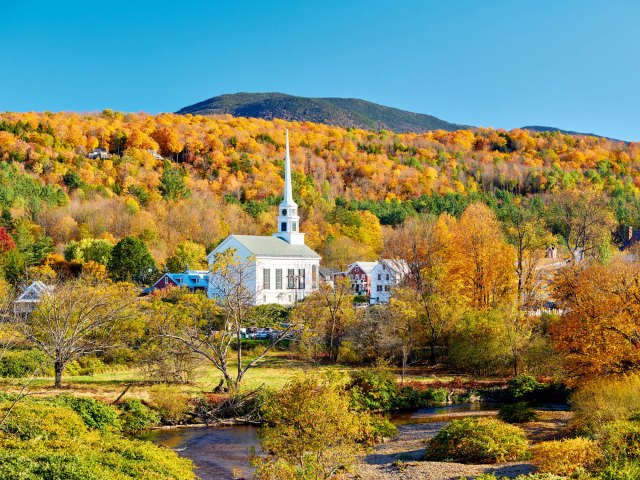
(401, 457)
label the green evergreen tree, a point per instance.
(131, 262)
(172, 183)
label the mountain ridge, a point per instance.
(341, 112)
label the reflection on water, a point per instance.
(220, 453)
(441, 414)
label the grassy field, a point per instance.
(273, 372)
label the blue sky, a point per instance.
(500, 63)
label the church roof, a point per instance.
(263, 246)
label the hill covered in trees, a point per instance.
(222, 175)
(343, 112)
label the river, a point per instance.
(221, 453)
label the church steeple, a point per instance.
(288, 219)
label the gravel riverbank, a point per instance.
(401, 457)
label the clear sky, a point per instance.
(572, 64)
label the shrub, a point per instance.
(22, 363)
(86, 366)
(605, 400)
(136, 417)
(478, 440)
(522, 387)
(94, 413)
(31, 421)
(374, 390)
(171, 403)
(375, 428)
(621, 471)
(567, 457)
(519, 412)
(620, 440)
(411, 398)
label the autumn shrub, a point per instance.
(171, 402)
(411, 398)
(520, 412)
(375, 390)
(41, 440)
(620, 440)
(42, 422)
(567, 457)
(478, 440)
(375, 428)
(86, 366)
(311, 431)
(22, 363)
(605, 400)
(136, 417)
(94, 413)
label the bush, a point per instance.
(136, 417)
(22, 363)
(374, 390)
(621, 471)
(41, 422)
(522, 387)
(94, 413)
(45, 441)
(620, 440)
(519, 412)
(171, 402)
(411, 398)
(478, 440)
(605, 400)
(86, 366)
(375, 428)
(567, 457)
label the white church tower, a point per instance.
(288, 219)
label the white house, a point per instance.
(30, 297)
(384, 276)
(282, 269)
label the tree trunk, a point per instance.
(432, 356)
(58, 368)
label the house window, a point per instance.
(283, 226)
(166, 280)
(278, 279)
(291, 278)
(379, 276)
(379, 288)
(386, 288)
(264, 299)
(266, 279)
(301, 278)
(314, 276)
(387, 276)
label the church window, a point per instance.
(266, 278)
(291, 278)
(294, 226)
(283, 226)
(278, 279)
(301, 278)
(284, 211)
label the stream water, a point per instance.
(221, 453)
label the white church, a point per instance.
(282, 268)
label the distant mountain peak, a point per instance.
(343, 112)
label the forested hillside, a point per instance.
(342, 112)
(225, 175)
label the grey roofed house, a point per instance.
(263, 246)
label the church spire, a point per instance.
(288, 219)
(288, 191)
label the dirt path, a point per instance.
(401, 457)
